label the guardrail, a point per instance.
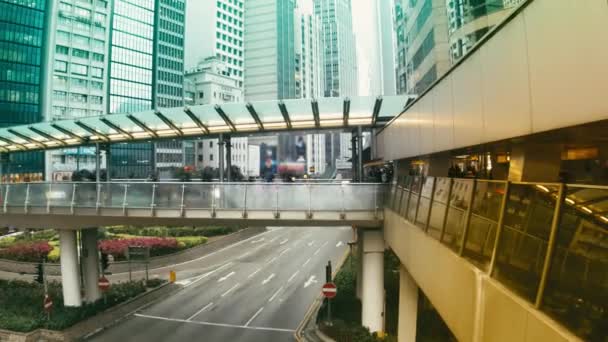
(548, 242)
(213, 197)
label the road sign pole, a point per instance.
(329, 311)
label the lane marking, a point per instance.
(307, 261)
(258, 240)
(268, 279)
(310, 281)
(285, 251)
(273, 239)
(317, 251)
(283, 242)
(271, 260)
(339, 244)
(207, 274)
(214, 324)
(325, 243)
(293, 276)
(254, 272)
(254, 316)
(275, 294)
(311, 243)
(226, 277)
(230, 290)
(199, 311)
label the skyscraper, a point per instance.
(338, 54)
(216, 28)
(23, 56)
(307, 51)
(400, 46)
(270, 62)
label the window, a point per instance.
(79, 69)
(62, 50)
(211, 157)
(211, 145)
(59, 95)
(80, 53)
(96, 85)
(98, 57)
(201, 95)
(200, 157)
(96, 72)
(61, 66)
(80, 98)
(95, 99)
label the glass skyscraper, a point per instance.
(23, 43)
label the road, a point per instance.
(256, 290)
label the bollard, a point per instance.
(172, 277)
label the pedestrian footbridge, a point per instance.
(76, 205)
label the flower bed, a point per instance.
(158, 246)
(28, 251)
(21, 305)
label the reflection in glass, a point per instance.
(442, 188)
(523, 242)
(459, 204)
(425, 202)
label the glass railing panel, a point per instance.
(522, 245)
(201, 196)
(413, 201)
(457, 213)
(139, 195)
(438, 207)
(112, 195)
(577, 288)
(231, 196)
(60, 194)
(262, 196)
(38, 194)
(168, 195)
(403, 198)
(294, 197)
(332, 196)
(16, 194)
(425, 202)
(2, 194)
(484, 221)
(85, 195)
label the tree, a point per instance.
(183, 174)
(208, 174)
(39, 273)
(236, 173)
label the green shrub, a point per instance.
(156, 282)
(190, 241)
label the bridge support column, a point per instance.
(70, 271)
(408, 306)
(220, 155)
(359, 263)
(372, 312)
(228, 159)
(90, 264)
(360, 177)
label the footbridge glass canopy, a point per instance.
(203, 120)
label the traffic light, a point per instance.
(39, 273)
(104, 262)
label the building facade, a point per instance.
(470, 20)
(338, 54)
(216, 28)
(308, 51)
(24, 41)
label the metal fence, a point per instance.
(546, 242)
(309, 197)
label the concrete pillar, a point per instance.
(359, 263)
(408, 306)
(372, 311)
(360, 154)
(108, 163)
(97, 163)
(70, 272)
(220, 149)
(90, 264)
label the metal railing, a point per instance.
(548, 242)
(213, 197)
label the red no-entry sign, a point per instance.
(104, 284)
(48, 303)
(329, 290)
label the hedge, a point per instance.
(31, 252)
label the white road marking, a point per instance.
(273, 239)
(311, 243)
(254, 272)
(271, 260)
(230, 290)
(306, 262)
(317, 251)
(283, 242)
(293, 276)
(254, 316)
(199, 311)
(325, 243)
(310, 281)
(226, 277)
(275, 294)
(339, 244)
(213, 324)
(268, 279)
(285, 251)
(197, 279)
(258, 240)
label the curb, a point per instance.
(313, 309)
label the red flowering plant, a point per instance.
(31, 252)
(158, 246)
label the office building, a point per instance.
(338, 54)
(400, 46)
(269, 48)
(308, 51)
(470, 20)
(216, 28)
(23, 78)
(386, 34)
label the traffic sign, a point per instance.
(329, 290)
(104, 284)
(48, 303)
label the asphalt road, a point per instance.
(256, 290)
